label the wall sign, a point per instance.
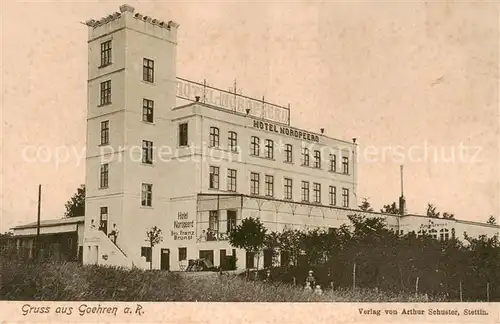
(183, 228)
(285, 130)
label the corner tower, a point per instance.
(131, 91)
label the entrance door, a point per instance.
(207, 254)
(165, 259)
(250, 258)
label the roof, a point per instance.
(224, 110)
(53, 222)
(456, 220)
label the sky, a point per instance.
(415, 83)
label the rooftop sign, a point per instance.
(189, 90)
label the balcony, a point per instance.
(212, 236)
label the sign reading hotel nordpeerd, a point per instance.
(189, 90)
(284, 130)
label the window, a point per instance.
(213, 220)
(147, 194)
(231, 180)
(433, 233)
(106, 53)
(105, 132)
(333, 163)
(214, 136)
(182, 254)
(288, 153)
(444, 234)
(104, 176)
(232, 140)
(288, 188)
(305, 191)
(345, 197)
(269, 149)
(183, 134)
(332, 195)
(105, 93)
(146, 252)
(255, 146)
(231, 220)
(254, 183)
(148, 70)
(214, 177)
(147, 110)
(305, 156)
(103, 220)
(345, 165)
(317, 159)
(269, 185)
(317, 192)
(147, 152)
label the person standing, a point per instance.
(310, 279)
(114, 234)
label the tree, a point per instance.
(390, 209)
(431, 211)
(448, 216)
(76, 205)
(492, 220)
(250, 235)
(153, 237)
(365, 205)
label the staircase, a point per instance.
(103, 251)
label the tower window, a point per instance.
(147, 194)
(147, 110)
(105, 132)
(105, 93)
(105, 53)
(104, 176)
(148, 70)
(147, 152)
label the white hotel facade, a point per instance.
(196, 170)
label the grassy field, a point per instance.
(71, 281)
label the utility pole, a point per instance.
(37, 240)
(402, 197)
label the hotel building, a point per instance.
(196, 170)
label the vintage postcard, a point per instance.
(196, 162)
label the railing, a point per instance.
(211, 236)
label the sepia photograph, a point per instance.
(291, 152)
